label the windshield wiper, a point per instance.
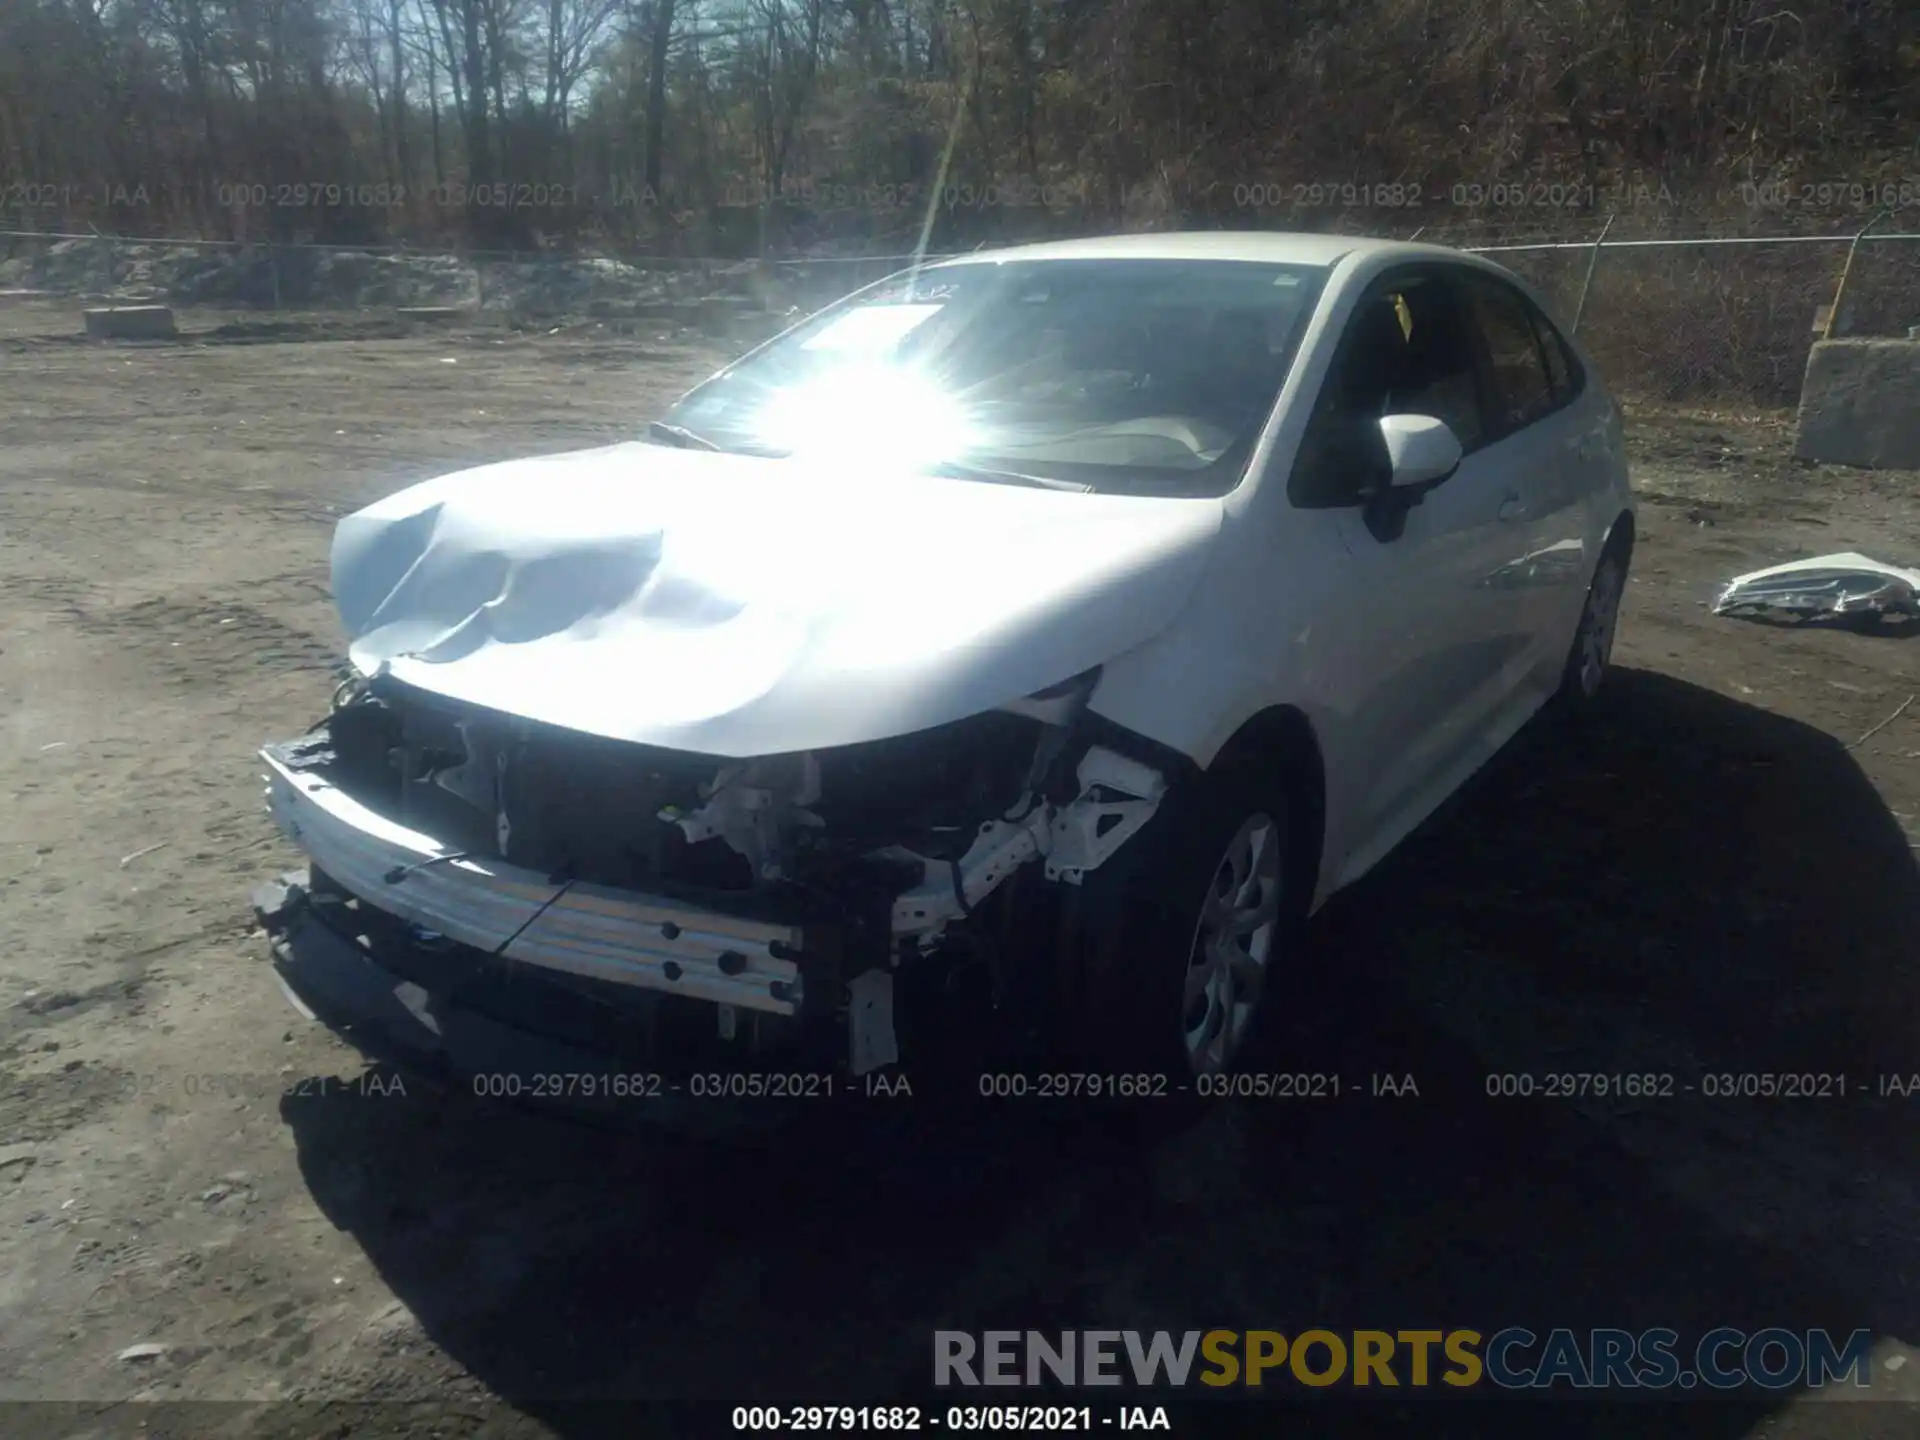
(678, 435)
(961, 470)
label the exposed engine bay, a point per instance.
(780, 888)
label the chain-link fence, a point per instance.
(1726, 318)
(1723, 318)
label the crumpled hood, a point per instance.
(737, 606)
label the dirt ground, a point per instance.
(1719, 875)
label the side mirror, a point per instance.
(1422, 450)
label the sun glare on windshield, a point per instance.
(1086, 372)
(866, 410)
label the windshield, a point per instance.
(1115, 374)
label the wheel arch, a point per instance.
(1282, 734)
(1621, 533)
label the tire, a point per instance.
(1137, 1001)
(1591, 653)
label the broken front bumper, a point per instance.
(551, 1050)
(399, 939)
(579, 996)
(614, 936)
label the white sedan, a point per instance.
(1013, 653)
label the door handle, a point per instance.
(1512, 508)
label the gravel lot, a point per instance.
(1718, 876)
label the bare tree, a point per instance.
(1180, 101)
(659, 36)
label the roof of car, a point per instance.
(1275, 247)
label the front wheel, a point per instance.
(1178, 949)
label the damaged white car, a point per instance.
(1014, 653)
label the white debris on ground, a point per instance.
(1845, 584)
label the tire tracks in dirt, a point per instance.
(208, 637)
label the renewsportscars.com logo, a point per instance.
(1511, 1359)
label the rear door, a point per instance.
(1535, 445)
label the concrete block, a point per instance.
(131, 322)
(1860, 404)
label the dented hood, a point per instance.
(737, 606)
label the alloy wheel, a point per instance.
(1232, 944)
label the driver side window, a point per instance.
(1404, 352)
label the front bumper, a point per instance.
(562, 994)
(417, 1009)
(617, 937)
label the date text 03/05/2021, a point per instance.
(698, 1085)
(207, 1085)
(886, 1085)
(957, 1419)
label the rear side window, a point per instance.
(1522, 385)
(1563, 370)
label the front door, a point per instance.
(1418, 648)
